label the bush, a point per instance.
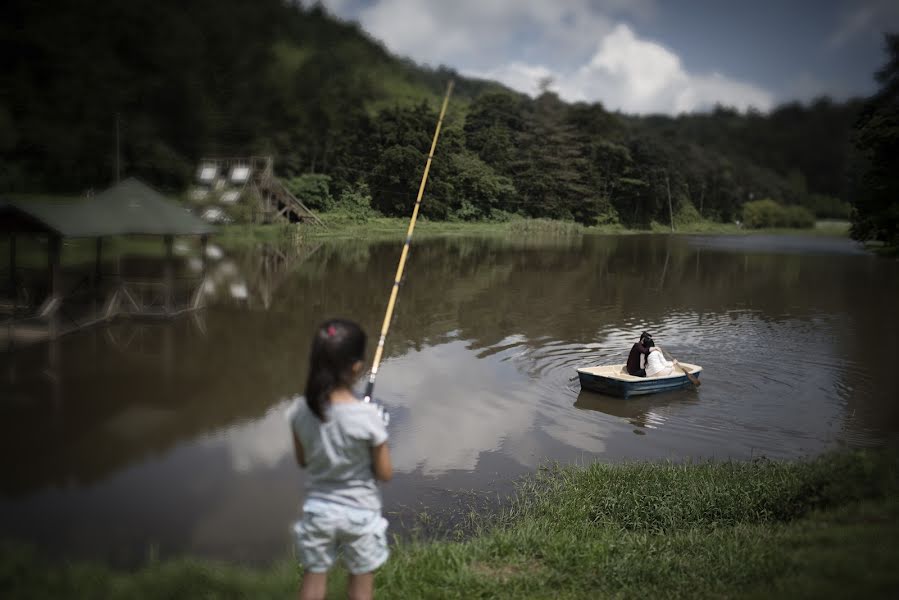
(686, 213)
(527, 227)
(503, 216)
(313, 190)
(762, 213)
(609, 216)
(827, 207)
(355, 202)
(798, 217)
(768, 213)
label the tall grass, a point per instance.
(545, 227)
(663, 497)
(822, 528)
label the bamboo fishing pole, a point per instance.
(394, 292)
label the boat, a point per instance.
(613, 380)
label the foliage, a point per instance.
(875, 169)
(537, 227)
(226, 77)
(822, 528)
(686, 214)
(827, 207)
(482, 191)
(312, 190)
(768, 213)
(797, 217)
(355, 202)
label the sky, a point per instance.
(645, 56)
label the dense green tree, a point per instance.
(227, 77)
(875, 177)
(552, 168)
(491, 126)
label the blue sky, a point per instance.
(645, 56)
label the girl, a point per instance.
(341, 442)
(656, 365)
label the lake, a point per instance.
(140, 439)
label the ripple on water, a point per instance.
(763, 392)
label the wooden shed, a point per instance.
(129, 208)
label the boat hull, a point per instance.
(625, 386)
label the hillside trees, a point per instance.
(228, 77)
(875, 174)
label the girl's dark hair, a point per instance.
(336, 346)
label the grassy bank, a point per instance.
(825, 528)
(341, 227)
(881, 249)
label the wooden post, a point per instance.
(54, 250)
(12, 267)
(98, 268)
(168, 273)
(98, 262)
(54, 374)
(168, 354)
(197, 297)
(118, 162)
(670, 212)
(701, 197)
(204, 243)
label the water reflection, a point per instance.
(642, 412)
(173, 434)
(446, 394)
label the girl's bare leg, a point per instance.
(314, 586)
(361, 586)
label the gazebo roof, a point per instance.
(127, 208)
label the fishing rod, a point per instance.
(391, 304)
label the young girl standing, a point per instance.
(341, 442)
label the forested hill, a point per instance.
(231, 77)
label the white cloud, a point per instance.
(478, 34)
(518, 76)
(851, 26)
(868, 18)
(261, 443)
(577, 43)
(637, 76)
(451, 413)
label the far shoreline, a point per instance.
(385, 228)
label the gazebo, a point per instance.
(129, 208)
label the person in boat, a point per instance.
(656, 365)
(639, 351)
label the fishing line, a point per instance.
(391, 303)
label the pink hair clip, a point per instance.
(332, 331)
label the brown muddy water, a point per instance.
(154, 438)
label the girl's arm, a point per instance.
(298, 451)
(380, 462)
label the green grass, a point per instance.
(822, 228)
(882, 249)
(340, 226)
(825, 528)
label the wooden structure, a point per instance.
(248, 181)
(254, 282)
(129, 208)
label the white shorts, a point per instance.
(327, 528)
